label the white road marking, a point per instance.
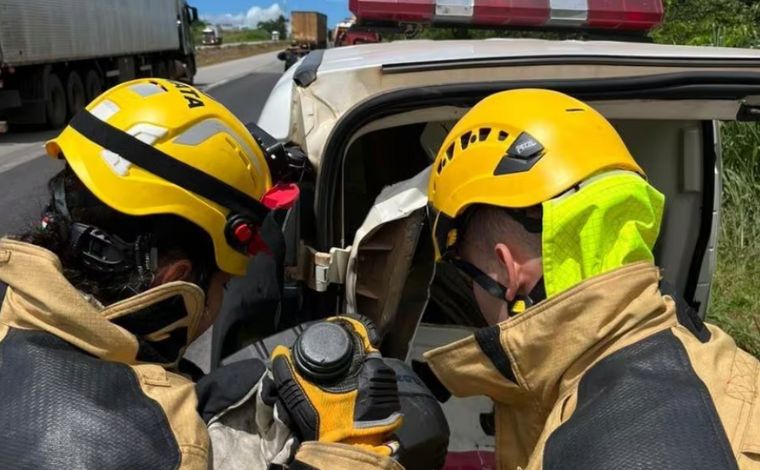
(215, 84)
(216, 75)
(19, 148)
(20, 156)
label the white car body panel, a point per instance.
(420, 51)
(349, 76)
(276, 113)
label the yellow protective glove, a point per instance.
(336, 386)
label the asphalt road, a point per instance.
(242, 85)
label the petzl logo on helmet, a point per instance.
(524, 152)
(190, 94)
(524, 147)
(521, 148)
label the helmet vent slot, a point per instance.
(483, 133)
(503, 136)
(450, 152)
(465, 139)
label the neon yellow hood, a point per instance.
(612, 220)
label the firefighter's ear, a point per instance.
(509, 270)
(177, 270)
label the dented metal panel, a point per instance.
(391, 264)
(38, 31)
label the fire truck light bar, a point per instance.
(630, 15)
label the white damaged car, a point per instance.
(371, 118)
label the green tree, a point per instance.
(278, 24)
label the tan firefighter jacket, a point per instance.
(605, 376)
(86, 387)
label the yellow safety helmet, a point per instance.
(154, 146)
(517, 149)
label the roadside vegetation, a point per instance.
(735, 297)
(263, 34)
(246, 35)
(735, 300)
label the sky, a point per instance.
(250, 12)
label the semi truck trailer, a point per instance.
(57, 55)
(309, 32)
(309, 28)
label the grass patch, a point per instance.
(246, 35)
(735, 297)
(216, 55)
(230, 36)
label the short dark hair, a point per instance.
(174, 238)
(488, 225)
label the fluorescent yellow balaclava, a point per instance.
(612, 220)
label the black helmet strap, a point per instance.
(164, 166)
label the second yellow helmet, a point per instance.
(517, 149)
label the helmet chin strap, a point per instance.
(536, 295)
(498, 290)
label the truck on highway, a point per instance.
(212, 36)
(309, 29)
(57, 55)
(309, 32)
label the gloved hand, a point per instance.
(245, 429)
(336, 386)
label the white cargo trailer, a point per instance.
(55, 55)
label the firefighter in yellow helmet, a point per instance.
(164, 196)
(591, 361)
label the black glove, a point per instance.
(424, 436)
(227, 385)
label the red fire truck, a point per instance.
(347, 34)
(591, 15)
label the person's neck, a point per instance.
(531, 273)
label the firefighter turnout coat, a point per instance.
(611, 374)
(89, 387)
